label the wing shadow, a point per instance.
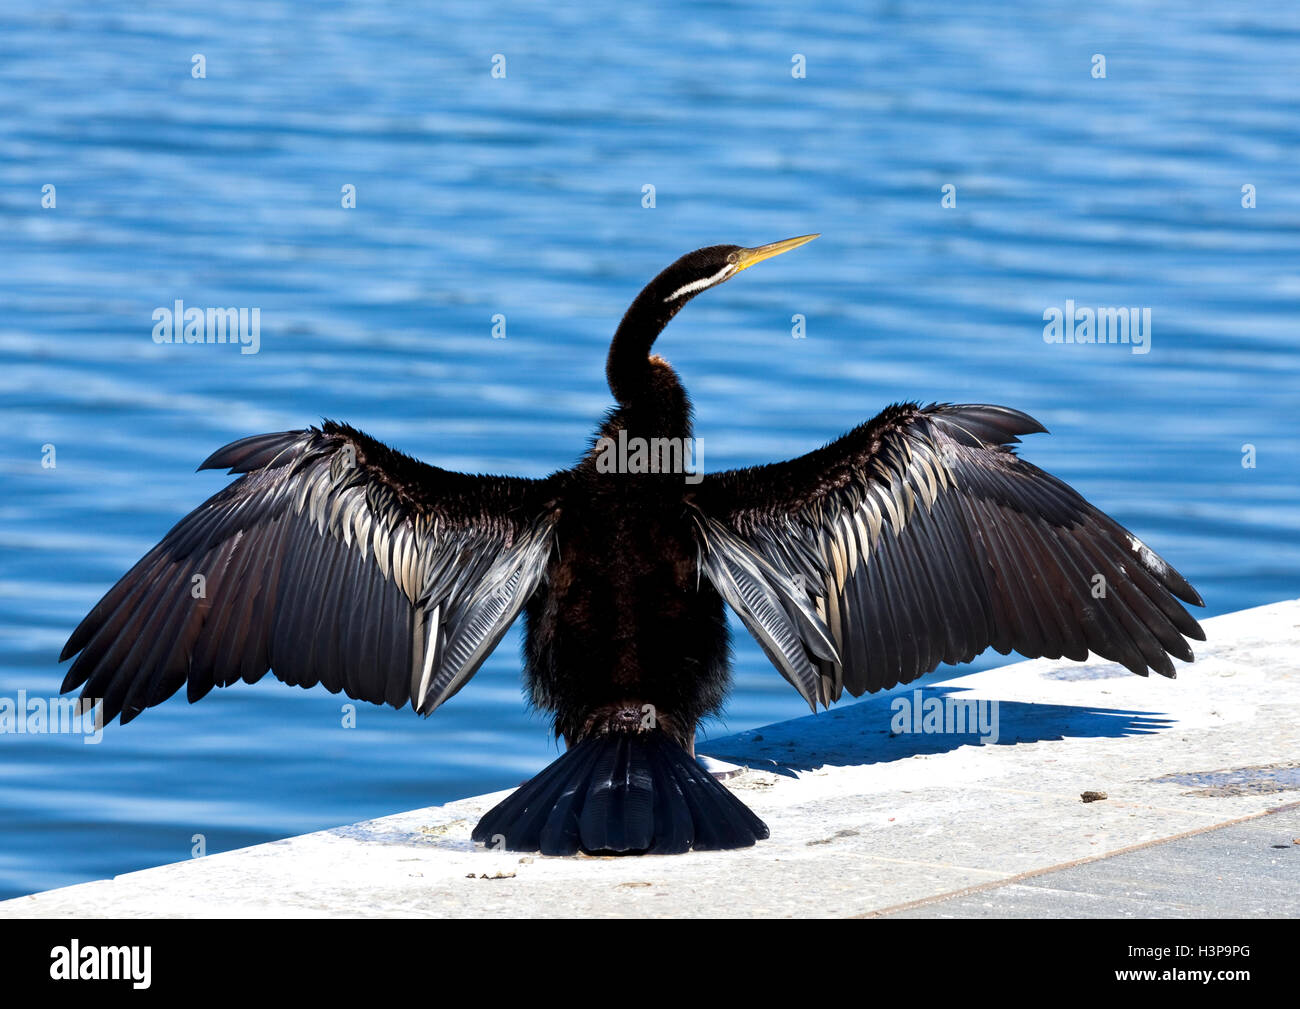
(863, 733)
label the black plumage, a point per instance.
(622, 792)
(918, 538)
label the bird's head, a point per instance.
(630, 370)
(704, 268)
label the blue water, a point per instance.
(523, 196)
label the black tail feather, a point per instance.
(672, 812)
(560, 831)
(626, 793)
(722, 821)
(538, 806)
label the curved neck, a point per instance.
(628, 368)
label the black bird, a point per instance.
(919, 537)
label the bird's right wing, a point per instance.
(921, 537)
(335, 560)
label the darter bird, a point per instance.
(919, 537)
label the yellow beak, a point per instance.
(746, 258)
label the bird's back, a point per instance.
(623, 617)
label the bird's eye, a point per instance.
(731, 258)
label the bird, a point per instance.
(920, 537)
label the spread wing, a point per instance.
(334, 560)
(921, 537)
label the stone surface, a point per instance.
(868, 821)
(1246, 870)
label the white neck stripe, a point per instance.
(696, 285)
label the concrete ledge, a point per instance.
(863, 821)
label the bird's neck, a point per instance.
(660, 409)
(631, 372)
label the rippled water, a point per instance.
(522, 196)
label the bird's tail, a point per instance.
(622, 792)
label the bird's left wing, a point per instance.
(333, 559)
(921, 537)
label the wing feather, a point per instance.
(333, 559)
(921, 538)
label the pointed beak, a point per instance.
(748, 257)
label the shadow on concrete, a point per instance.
(910, 722)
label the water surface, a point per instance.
(522, 197)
